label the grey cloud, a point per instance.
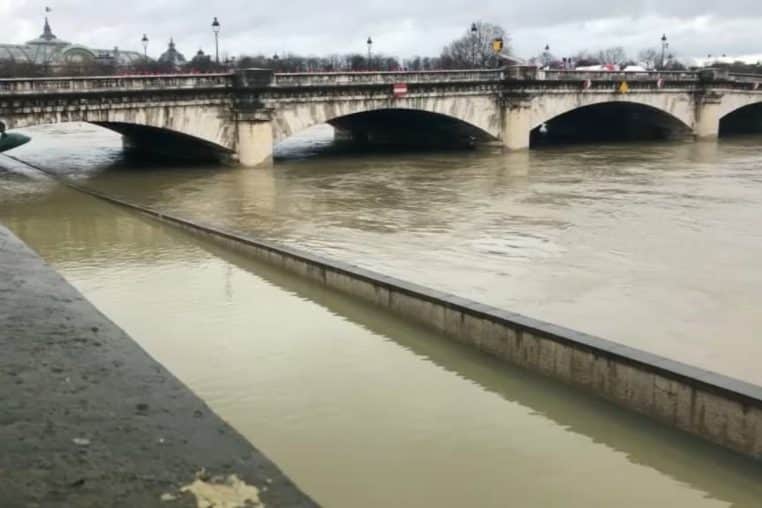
(401, 27)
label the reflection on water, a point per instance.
(654, 245)
(359, 408)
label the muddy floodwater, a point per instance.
(655, 245)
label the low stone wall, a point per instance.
(88, 419)
(725, 411)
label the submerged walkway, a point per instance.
(87, 418)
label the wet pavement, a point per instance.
(90, 419)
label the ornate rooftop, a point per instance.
(47, 49)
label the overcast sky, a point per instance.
(398, 27)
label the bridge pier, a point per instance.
(254, 145)
(708, 114)
(517, 124)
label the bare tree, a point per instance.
(474, 47)
(585, 58)
(615, 55)
(650, 57)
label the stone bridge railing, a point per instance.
(383, 78)
(701, 75)
(100, 84)
(263, 78)
(746, 78)
(559, 75)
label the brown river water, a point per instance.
(653, 245)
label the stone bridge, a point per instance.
(242, 115)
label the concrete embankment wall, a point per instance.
(88, 419)
(725, 411)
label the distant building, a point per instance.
(171, 56)
(201, 59)
(47, 49)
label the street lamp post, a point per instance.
(370, 44)
(144, 40)
(474, 31)
(664, 45)
(216, 30)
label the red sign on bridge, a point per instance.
(399, 90)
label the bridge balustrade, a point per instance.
(746, 78)
(566, 75)
(384, 78)
(110, 83)
(30, 86)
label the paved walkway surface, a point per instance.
(88, 419)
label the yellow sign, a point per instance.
(497, 45)
(624, 87)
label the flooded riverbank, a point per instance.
(359, 408)
(599, 239)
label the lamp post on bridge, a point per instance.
(474, 32)
(216, 30)
(144, 40)
(664, 46)
(370, 44)
(546, 56)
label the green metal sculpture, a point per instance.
(10, 140)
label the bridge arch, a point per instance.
(166, 142)
(478, 117)
(741, 114)
(679, 107)
(192, 130)
(603, 118)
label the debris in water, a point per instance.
(232, 493)
(81, 441)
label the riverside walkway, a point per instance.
(88, 419)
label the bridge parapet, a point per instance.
(666, 76)
(746, 78)
(384, 78)
(100, 84)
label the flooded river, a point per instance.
(656, 246)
